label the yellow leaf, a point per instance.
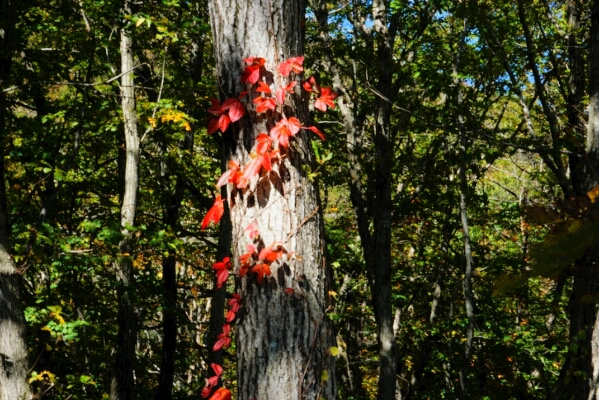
(334, 351)
(333, 294)
(325, 375)
(593, 193)
(139, 22)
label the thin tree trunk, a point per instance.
(376, 246)
(172, 205)
(122, 381)
(468, 260)
(283, 337)
(381, 237)
(13, 346)
(576, 80)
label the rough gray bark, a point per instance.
(122, 382)
(13, 346)
(282, 338)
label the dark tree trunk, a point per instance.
(283, 337)
(381, 238)
(122, 381)
(579, 377)
(376, 245)
(171, 207)
(13, 346)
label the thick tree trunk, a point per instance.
(122, 381)
(283, 336)
(579, 377)
(13, 347)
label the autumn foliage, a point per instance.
(258, 259)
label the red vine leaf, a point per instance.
(310, 85)
(229, 175)
(261, 270)
(206, 391)
(263, 88)
(284, 129)
(221, 394)
(264, 103)
(294, 64)
(235, 107)
(316, 131)
(234, 303)
(264, 143)
(212, 125)
(326, 99)
(251, 73)
(212, 381)
(222, 271)
(216, 107)
(218, 370)
(252, 168)
(215, 213)
(230, 316)
(269, 255)
(223, 122)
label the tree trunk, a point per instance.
(122, 381)
(468, 260)
(283, 336)
(13, 346)
(376, 245)
(579, 377)
(381, 238)
(172, 199)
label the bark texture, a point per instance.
(282, 338)
(13, 347)
(122, 381)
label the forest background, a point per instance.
(491, 154)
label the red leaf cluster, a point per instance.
(284, 129)
(223, 339)
(213, 380)
(325, 96)
(259, 263)
(231, 110)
